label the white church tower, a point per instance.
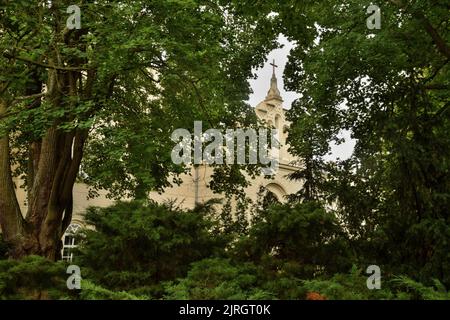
(271, 111)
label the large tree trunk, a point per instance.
(53, 165)
(50, 198)
(11, 220)
(53, 154)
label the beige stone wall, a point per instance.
(185, 194)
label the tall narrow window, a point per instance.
(278, 122)
(69, 242)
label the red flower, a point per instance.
(315, 296)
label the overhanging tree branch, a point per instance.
(40, 64)
(434, 34)
(437, 39)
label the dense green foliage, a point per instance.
(137, 70)
(141, 244)
(140, 71)
(32, 278)
(143, 250)
(389, 88)
(99, 103)
(218, 279)
(37, 278)
(301, 239)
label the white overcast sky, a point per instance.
(261, 85)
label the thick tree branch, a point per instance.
(32, 96)
(40, 64)
(437, 87)
(440, 43)
(437, 39)
(34, 104)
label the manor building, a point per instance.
(195, 185)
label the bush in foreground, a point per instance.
(138, 245)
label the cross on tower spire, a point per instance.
(274, 66)
(274, 93)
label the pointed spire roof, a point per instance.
(274, 93)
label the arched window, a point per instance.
(69, 242)
(277, 190)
